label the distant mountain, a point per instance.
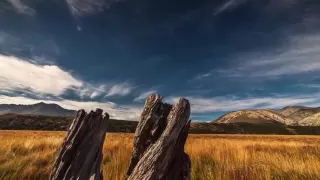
(37, 109)
(303, 113)
(313, 120)
(287, 111)
(291, 115)
(299, 114)
(260, 116)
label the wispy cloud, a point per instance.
(300, 55)
(315, 86)
(122, 89)
(201, 76)
(227, 5)
(21, 7)
(218, 104)
(125, 112)
(144, 95)
(92, 92)
(105, 90)
(85, 7)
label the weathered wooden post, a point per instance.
(158, 152)
(81, 153)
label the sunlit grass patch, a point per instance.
(30, 155)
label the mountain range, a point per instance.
(37, 109)
(291, 115)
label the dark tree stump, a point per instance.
(158, 152)
(81, 153)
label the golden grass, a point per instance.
(30, 154)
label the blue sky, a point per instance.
(222, 55)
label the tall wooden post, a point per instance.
(158, 152)
(81, 153)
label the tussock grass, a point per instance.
(30, 155)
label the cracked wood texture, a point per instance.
(81, 153)
(158, 152)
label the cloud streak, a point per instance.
(228, 5)
(21, 7)
(142, 97)
(122, 89)
(300, 55)
(85, 7)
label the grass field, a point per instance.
(29, 155)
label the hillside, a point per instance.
(260, 116)
(55, 123)
(34, 122)
(247, 128)
(37, 109)
(303, 113)
(291, 115)
(287, 111)
(313, 120)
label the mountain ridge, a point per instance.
(313, 120)
(290, 115)
(37, 109)
(256, 116)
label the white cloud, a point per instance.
(143, 96)
(21, 7)
(95, 94)
(98, 91)
(120, 90)
(124, 112)
(85, 7)
(106, 90)
(26, 75)
(216, 104)
(18, 74)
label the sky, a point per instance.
(221, 55)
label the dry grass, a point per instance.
(29, 155)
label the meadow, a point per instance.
(29, 155)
